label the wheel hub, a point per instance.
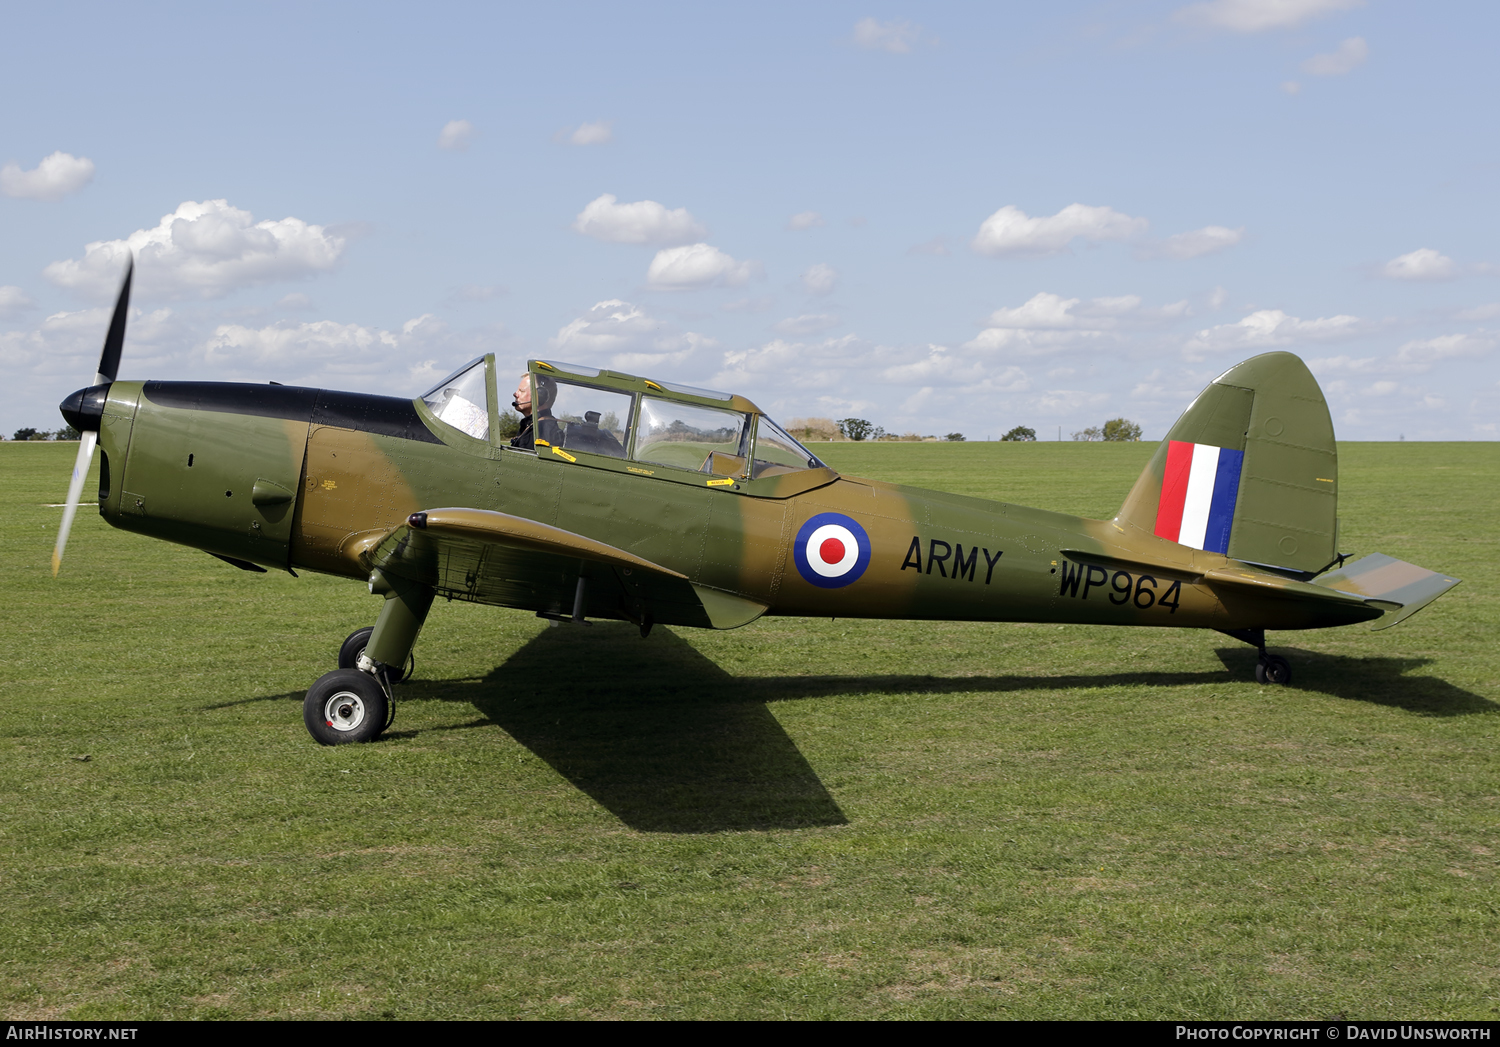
(344, 711)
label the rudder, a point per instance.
(1249, 470)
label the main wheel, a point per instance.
(354, 647)
(1273, 669)
(345, 705)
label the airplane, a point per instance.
(657, 503)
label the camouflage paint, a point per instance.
(932, 555)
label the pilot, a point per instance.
(543, 424)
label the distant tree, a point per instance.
(510, 424)
(858, 429)
(1020, 433)
(1121, 430)
(955, 438)
(67, 432)
(1089, 434)
(28, 434)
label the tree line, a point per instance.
(67, 432)
(858, 430)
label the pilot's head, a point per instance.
(546, 389)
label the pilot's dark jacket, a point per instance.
(550, 431)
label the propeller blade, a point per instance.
(114, 341)
(75, 490)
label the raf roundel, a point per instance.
(832, 550)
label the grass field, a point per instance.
(802, 818)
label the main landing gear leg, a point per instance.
(356, 704)
(1271, 668)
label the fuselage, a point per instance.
(306, 479)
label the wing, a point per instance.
(510, 561)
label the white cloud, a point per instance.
(811, 323)
(14, 301)
(805, 220)
(622, 336)
(1217, 298)
(824, 364)
(65, 345)
(1208, 240)
(455, 135)
(1069, 403)
(1255, 16)
(295, 300)
(695, 266)
(1048, 323)
(596, 133)
(1483, 312)
(298, 345)
(1349, 56)
(940, 366)
(1272, 329)
(1423, 354)
(203, 250)
(1291, 87)
(820, 279)
(643, 222)
(52, 179)
(1011, 231)
(1415, 357)
(332, 354)
(896, 38)
(1421, 264)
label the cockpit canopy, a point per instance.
(623, 416)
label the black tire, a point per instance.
(344, 706)
(1273, 669)
(354, 647)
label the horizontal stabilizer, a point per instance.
(1401, 589)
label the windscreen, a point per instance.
(462, 401)
(776, 452)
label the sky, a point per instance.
(939, 217)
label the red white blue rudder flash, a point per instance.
(831, 550)
(1199, 489)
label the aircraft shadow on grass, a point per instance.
(667, 741)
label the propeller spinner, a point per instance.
(84, 409)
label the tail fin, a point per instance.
(1249, 470)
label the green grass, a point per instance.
(801, 818)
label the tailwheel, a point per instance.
(1273, 669)
(346, 705)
